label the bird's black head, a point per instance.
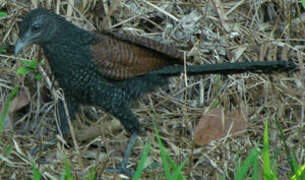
(38, 26)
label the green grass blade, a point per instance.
(6, 106)
(3, 48)
(67, 174)
(173, 167)
(250, 160)
(62, 176)
(177, 173)
(32, 64)
(142, 160)
(162, 153)
(92, 174)
(8, 150)
(290, 156)
(2, 14)
(266, 158)
(255, 165)
(37, 76)
(23, 70)
(300, 173)
(36, 174)
(171, 162)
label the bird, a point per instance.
(110, 69)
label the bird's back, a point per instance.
(123, 56)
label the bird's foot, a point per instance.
(120, 171)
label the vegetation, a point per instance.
(271, 147)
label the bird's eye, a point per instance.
(35, 28)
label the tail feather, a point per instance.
(229, 68)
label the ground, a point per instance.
(209, 32)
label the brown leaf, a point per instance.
(86, 133)
(21, 99)
(215, 125)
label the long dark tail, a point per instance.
(229, 68)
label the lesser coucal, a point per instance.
(111, 69)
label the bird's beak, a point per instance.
(19, 45)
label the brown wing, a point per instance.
(121, 56)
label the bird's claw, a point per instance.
(120, 171)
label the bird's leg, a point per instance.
(114, 100)
(63, 124)
(129, 147)
(123, 167)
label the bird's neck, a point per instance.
(68, 51)
(70, 33)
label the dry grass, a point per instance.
(236, 30)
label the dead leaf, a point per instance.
(237, 53)
(86, 133)
(215, 125)
(20, 100)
